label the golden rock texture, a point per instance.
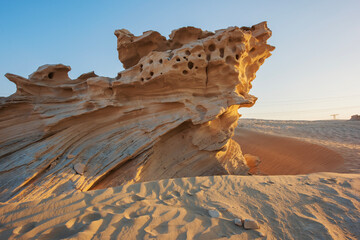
(170, 113)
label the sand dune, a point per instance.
(340, 136)
(315, 206)
(284, 155)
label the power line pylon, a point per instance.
(334, 116)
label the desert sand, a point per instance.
(315, 206)
(308, 146)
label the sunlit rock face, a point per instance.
(170, 113)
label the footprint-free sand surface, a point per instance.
(315, 206)
(299, 147)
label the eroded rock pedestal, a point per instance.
(170, 113)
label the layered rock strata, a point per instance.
(170, 113)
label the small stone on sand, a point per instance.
(214, 213)
(79, 168)
(251, 224)
(238, 222)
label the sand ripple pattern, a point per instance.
(323, 206)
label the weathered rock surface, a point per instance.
(251, 224)
(171, 113)
(214, 213)
(355, 117)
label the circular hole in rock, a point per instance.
(178, 59)
(212, 47)
(118, 76)
(190, 65)
(151, 61)
(51, 75)
(151, 73)
(230, 60)
(142, 79)
(237, 56)
(187, 52)
(199, 55)
(185, 72)
(221, 50)
(160, 61)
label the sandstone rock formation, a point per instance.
(355, 117)
(170, 113)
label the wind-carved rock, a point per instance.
(170, 113)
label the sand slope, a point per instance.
(284, 155)
(315, 206)
(341, 136)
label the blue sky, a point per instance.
(314, 70)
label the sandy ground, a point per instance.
(283, 144)
(315, 206)
(284, 155)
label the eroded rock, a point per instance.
(171, 113)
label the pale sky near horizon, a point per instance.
(313, 73)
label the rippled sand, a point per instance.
(316, 206)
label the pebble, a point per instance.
(238, 222)
(214, 213)
(79, 168)
(251, 224)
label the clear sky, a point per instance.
(314, 70)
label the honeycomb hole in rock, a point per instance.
(190, 65)
(221, 50)
(199, 55)
(160, 61)
(212, 47)
(233, 49)
(118, 76)
(208, 57)
(178, 59)
(253, 49)
(237, 56)
(187, 52)
(230, 60)
(51, 75)
(142, 79)
(151, 61)
(141, 67)
(185, 72)
(89, 106)
(108, 92)
(261, 60)
(151, 73)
